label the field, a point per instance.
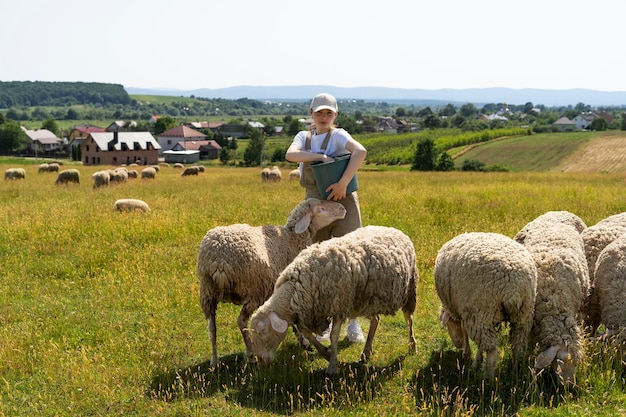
(99, 311)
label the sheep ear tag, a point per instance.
(303, 224)
(277, 323)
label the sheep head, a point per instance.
(267, 331)
(455, 328)
(320, 213)
(563, 363)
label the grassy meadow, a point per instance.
(99, 311)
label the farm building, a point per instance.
(169, 138)
(117, 148)
(41, 141)
(184, 157)
(209, 149)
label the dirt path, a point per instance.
(606, 153)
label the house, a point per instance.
(212, 126)
(41, 141)
(183, 157)
(386, 124)
(209, 149)
(121, 125)
(79, 133)
(606, 116)
(169, 138)
(233, 130)
(117, 148)
(583, 120)
(564, 125)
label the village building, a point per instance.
(41, 142)
(168, 139)
(118, 148)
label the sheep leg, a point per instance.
(213, 337)
(242, 322)
(367, 349)
(408, 318)
(323, 350)
(490, 363)
(334, 341)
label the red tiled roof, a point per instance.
(181, 131)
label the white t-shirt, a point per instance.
(336, 144)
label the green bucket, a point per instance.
(327, 173)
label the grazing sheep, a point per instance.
(294, 175)
(119, 175)
(275, 174)
(100, 178)
(148, 173)
(610, 288)
(190, 171)
(132, 173)
(265, 174)
(164, 164)
(239, 263)
(484, 279)
(43, 168)
(179, 165)
(365, 273)
(596, 238)
(200, 168)
(131, 204)
(562, 286)
(551, 217)
(68, 176)
(53, 167)
(15, 174)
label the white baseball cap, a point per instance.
(324, 101)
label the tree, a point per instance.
(431, 121)
(424, 159)
(163, 124)
(72, 114)
(448, 111)
(468, 110)
(623, 125)
(400, 112)
(254, 152)
(11, 136)
(444, 162)
(224, 156)
(51, 125)
(598, 124)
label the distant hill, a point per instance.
(477, 96)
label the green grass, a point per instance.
(99, 311)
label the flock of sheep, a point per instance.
(554, 281)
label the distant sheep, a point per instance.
(239, 263)
(179, 165)
(484, 279)
(43, 168)
(148, 173)
(15, 174)
(68, 176)
(100, 179)
(294, 175)
(118, 176)
(131, 204)
(272, 174)
(368, 272)
(200, 168)
(132, 173)
(610, 288)
(53, 167)
(194, 170)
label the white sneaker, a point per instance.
(355, 335)
(325, 336)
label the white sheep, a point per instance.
(365, 273)
(194, 170)
(131, 204)
(15, 174)
(53, 167)
(68, 176)
(272, 174)
(148, 173)
(100, 178)
(596, 238)
(43, 168)
(562, 286)
(118, 175)
(563, 217)
(132, 173)
(610, 288)
(239, 263)
(484, 279)
(294, 175)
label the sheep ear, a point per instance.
(546, 357)
(444, 316)
(303, 224)
(277, 323)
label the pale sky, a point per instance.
(192, 44)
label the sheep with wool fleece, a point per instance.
(365, 273)
(483, 279)
(562, 286)
(239, 263)
(551, 217)
(596, 238)
(610, 287)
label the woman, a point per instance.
(323, 143)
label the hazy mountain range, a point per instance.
(420, 97)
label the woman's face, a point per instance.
(324, 119)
